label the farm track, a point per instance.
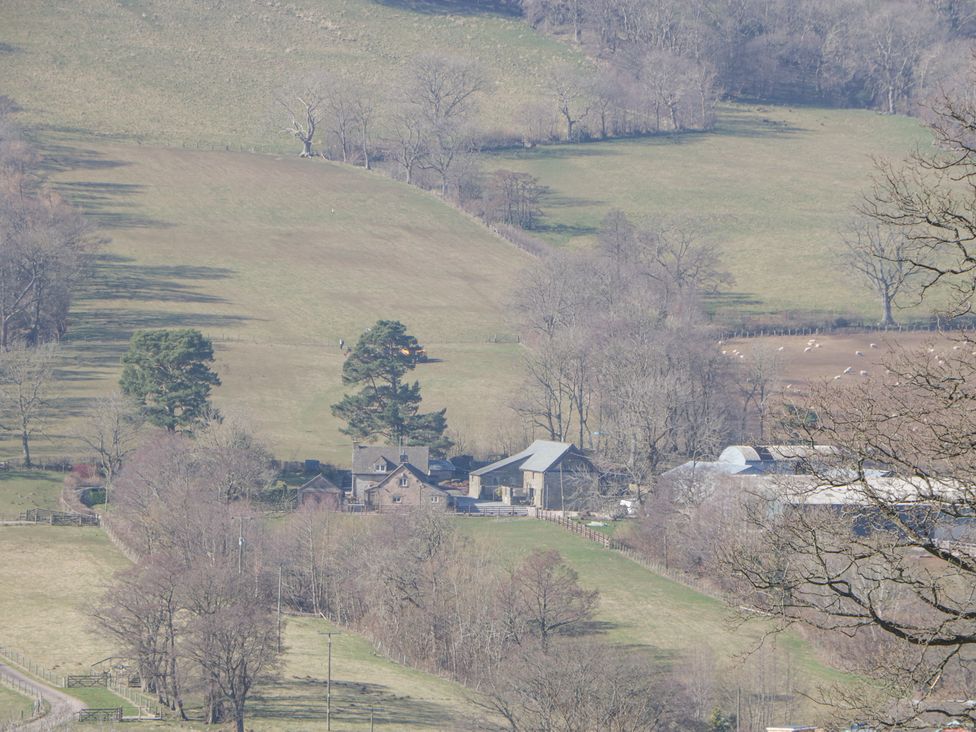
(63, 707)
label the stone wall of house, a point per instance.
(414, 494)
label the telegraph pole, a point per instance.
(279, 608)
(328, 687)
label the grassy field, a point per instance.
(641, 609)
(276, 259)
(190, 72)
(13, 706)
(772, 187)
(399, 697)
(21, 489)
(101, 698)
(48, 579)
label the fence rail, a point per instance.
(59, 518)
(848, 326)
(85, 681)
(111, 714)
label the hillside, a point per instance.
(185, 71)
(772, 187)
(277, 259)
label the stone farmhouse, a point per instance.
(549, 475)
(407, 487)
(372, 464)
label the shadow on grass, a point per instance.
(352, 702)
(731, 300)
(120, 278)
(456, 7)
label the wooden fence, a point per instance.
(111, 714)
(85, 681)
(59, 518)
(149, 707)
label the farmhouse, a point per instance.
(320, 491)
(546, 475)
(372, 464)
(406, 487)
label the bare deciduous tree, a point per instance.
(26, 390)
(113, 430)
(878, 255)
(303, 111)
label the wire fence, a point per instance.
(38, 709)
(146, 704)
(933, 325)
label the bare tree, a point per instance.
(760, 380)
(583, 686)
(113, 430)
(512, 198)
(26, 390)
(548, 599)
(878, 255)
(303, 111)
(568, 86)
(443, 90)
(409, 144)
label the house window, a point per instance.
(380, 467)
(435, 499)
(404, 481)
(397, 499)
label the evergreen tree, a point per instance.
(167, 372)
(386, 406)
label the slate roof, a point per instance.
(365, 457)
(538, 457)
(413, 471)
(320, 483)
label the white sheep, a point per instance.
(848, 370)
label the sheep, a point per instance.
(848, 370)
(873, 345)
(863, 372)
(807, 349)
(858, 353)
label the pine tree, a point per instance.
(167, 372)
(386, 407)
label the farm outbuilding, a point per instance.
(320, 491)
(546, 474)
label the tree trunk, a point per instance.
(887, 319)
(25, 442)
(891, 98)
(307, 148)
(365, 149)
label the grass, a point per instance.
(772, 186)
(23, 489)
(643, 609)
(187, 71)
(101, 698)
(13, 706)
(225, 242)
(49, 577)
(399, 697)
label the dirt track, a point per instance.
(63, 707)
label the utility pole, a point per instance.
(240, 544)
(279, 608)
(328, 687)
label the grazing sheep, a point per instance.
(858, 353)
(837, 377)
(807, 349)
(780, 348)
(873, 345)
(848, 370)
(863, 372)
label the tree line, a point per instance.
(879, 54)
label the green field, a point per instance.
(13, 706)
(22, 489)
(639, 608)
(772, 187)
(49, 577)
(221, 242)
(185, 72)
